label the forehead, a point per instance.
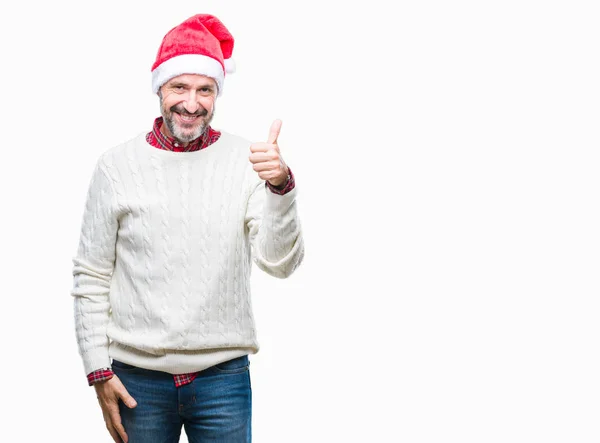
(193, 80)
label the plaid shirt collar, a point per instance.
(159, 140)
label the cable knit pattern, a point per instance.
(162, 271)
(164, 259)
(185, 252)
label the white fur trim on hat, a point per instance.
(229, 65)
(188, 64)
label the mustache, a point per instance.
(181, 110)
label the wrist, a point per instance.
(283, 183)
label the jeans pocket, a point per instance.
(237, 365)
(120, 366)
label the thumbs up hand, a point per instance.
(267, 160)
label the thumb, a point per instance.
(274, 131)
(128, 400)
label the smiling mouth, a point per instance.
(188, 118)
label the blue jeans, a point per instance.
(215, 407)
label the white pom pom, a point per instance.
(229, 65)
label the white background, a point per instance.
(446, 156)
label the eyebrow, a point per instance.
(185, 85)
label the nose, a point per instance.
(191, 104)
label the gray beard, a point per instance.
(178, 133)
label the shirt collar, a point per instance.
(170, 144)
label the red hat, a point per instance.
(199, 45)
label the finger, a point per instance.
(121, 432)
(261, 147)
(113, 433)
(114, 417)
(266, 166)
(128, 399)
(118, 426)
(268, 176)
(259, 157)
(274, 131)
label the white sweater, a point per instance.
(162, 271)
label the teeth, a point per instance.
(188, 117)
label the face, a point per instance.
(187, 104)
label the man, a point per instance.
(172, 222)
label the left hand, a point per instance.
(267, 159)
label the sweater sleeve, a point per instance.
(92, 272)
(274, 230)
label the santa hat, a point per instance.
(199, 45)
